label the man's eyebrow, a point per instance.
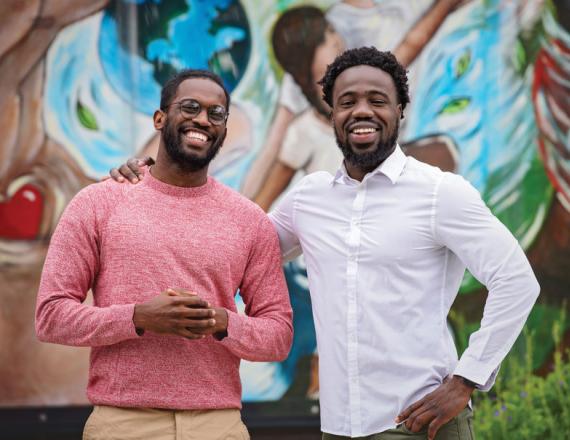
(347, 93)
(378, 92)
(368, 93)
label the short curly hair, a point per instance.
(369, 56)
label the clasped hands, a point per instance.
(182, 313)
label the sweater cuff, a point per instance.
(235, 330)
(122, 318)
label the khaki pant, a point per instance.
(458, 428)
(112, 423)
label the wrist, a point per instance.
(221, 323)
(472, 386)
(138, 320)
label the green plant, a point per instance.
(524, 406)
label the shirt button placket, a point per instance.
(352, 323)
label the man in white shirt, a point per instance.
(386, 243)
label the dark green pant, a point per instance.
(458, 428)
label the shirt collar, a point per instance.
(392, 168)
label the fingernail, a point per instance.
(121, 179)
(135, 180)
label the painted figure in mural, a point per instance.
(404, 27)
(177, 350)
(388, 362)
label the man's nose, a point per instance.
(202, 118)
(362, 109)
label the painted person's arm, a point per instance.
(259, 170)
(277, 181)
(424, 30)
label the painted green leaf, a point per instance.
(455, 106)
(86, 117)
(520, 59)
(463, 64)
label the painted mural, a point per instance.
(490, 87)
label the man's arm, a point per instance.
(464, 224)
(266, 332)
(69, 272)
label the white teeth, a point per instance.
(363, 130)
(196, 135)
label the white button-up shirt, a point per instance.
(385, 258)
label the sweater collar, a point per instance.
(177, 191)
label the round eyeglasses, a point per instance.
(190, 108)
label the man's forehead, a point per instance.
(363, 77)
(203, 89)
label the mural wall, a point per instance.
(490, 84)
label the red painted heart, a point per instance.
(21, 215)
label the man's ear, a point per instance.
(159, 119)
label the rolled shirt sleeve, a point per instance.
(465, 225)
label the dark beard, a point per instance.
(371, 160)
(187, 161)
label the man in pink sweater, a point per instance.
(165, 334)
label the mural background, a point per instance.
(490, 100)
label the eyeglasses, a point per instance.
(190, 108)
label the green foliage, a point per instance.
(524, 406)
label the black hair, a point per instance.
(369, 56)
(295, 38)
(171, 86)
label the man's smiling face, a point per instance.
(366, 115)
(193, 142)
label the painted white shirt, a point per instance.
(385, 258)
(309, 145)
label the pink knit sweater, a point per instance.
(130, 242)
